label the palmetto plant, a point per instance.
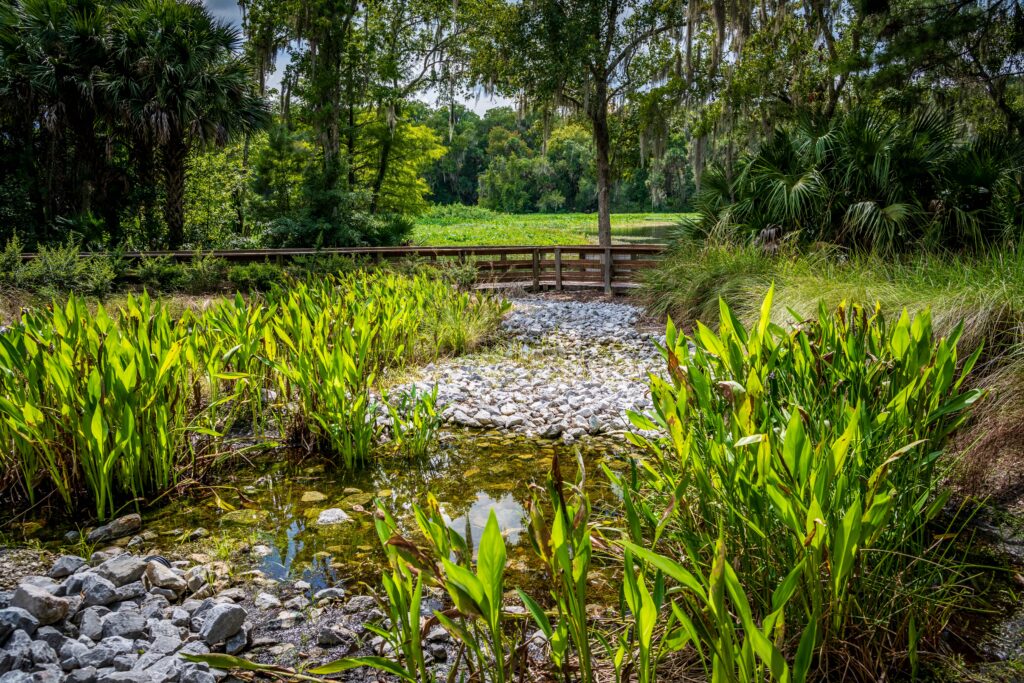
(867, 180)
(177, 80)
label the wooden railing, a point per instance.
(536, 268)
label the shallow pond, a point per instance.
(276, 503)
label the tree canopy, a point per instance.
(147, 123)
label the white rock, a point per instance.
(332, 516)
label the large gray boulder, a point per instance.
(40, 603)
(121, 570)
(124, 623)
(221, 622)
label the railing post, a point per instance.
(558, 268)
(536, 269)
(608, 271)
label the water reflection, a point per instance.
(278, 500)
(508, 511)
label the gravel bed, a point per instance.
(122, 616)
(572, 368)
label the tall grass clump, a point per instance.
(793, 505)
(94, 402)
(114, 404)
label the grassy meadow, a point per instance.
(473, 226)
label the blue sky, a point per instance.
(227, 10)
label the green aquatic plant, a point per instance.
(565, 546)
(794, 500)
(478, 620)
(414, 420)
(118, 405)
(100, 402)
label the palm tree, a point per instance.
(50, 54)
(179, 82)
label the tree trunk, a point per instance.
(382, 171)
(174, 156)
(599, 119)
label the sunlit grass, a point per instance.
(473, 226)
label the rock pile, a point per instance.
(118, 617)
(574, 368)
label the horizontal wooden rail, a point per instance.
(557, 267)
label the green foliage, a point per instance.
(868, 180)
(58, 269)
(985, 292)
(115, 406)
(462, 274)
(161, 274)
(139, 85)
(411, 148)
(809, 463)
(95, 402)
(255, 277)
(565, 547)
(452, 226)
(414, 420)
(216, 204)
(479, 621)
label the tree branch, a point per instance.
(636, 42)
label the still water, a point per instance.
(276, 503)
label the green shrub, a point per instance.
(255, 277)
(205, 273)
(462, 274)
(10, 261)
(866, 179)
(162, 274)
(57, 269)
(319, 265)
(389, 230)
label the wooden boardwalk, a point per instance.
(534, 268)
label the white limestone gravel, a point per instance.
(571, 368)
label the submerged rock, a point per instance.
(245, 517)
(332, 516)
